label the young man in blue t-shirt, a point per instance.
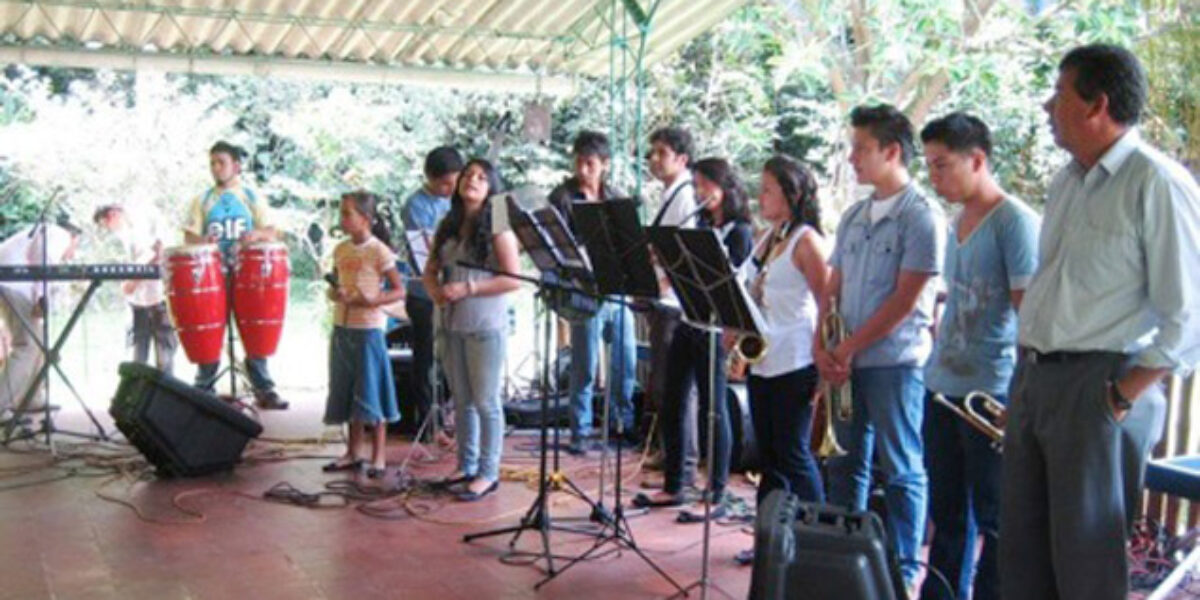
(991, 254)
(422, 212)
(225, 214)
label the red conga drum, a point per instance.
(260, 293)
(196, 296)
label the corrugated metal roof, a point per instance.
(543, 40)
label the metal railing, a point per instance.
(1182, 436)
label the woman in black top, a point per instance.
(724, 209)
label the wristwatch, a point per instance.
(1119, 399)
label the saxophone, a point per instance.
(751, 349)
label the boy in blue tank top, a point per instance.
(225, 214)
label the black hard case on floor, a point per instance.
(820, 552)
(181, 430)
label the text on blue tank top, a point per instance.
(228, 218)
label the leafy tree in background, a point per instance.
(778, 75)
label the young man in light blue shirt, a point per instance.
(889, 249)
(991, 254)
(1113, 308)
(422, 212)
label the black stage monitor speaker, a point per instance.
(181, 430)
(805, 551)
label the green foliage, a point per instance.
(777, 76)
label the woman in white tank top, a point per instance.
(788, 274)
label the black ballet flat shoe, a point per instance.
(642, 500)
(469, 496)
(376, 473)
(744, 558)
(449, 482)
(337, 466)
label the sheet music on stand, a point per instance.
(549, 243)
(707, 287)
(617, 246)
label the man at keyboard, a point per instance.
(23, 304)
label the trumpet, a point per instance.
(833, 331)
(985, 425)
(829, 446)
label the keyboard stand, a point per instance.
(51, 356)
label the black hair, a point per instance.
(960, 132)
(591, 143)
(799, 189)
(104, 212)
(442, 161)
(234, 152)
(367, 205)
(481, 229)
(1112, 71)
(888, 126)
(734, 203)
(677, 139)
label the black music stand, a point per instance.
(616, 244)
(552, 247)
(713, 299)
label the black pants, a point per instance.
(964, 503)
(782, 410)
(151, 324)
(664, 322)
(420, 313)
(688, 364)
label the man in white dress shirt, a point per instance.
(671, 155)
(1113, 308)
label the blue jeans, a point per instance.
(612, 324)
(256, 370)
(964, 502)
(889, 403)
(473, 362)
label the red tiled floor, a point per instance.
(62, 541)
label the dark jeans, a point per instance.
(688, 364)
(256, 369)
(782, 410)
(664, 321)
(420, 314)
(152, 324)
(964, 501)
